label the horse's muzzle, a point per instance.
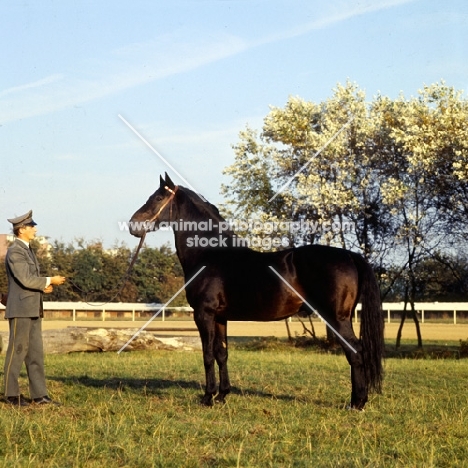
(136, 231)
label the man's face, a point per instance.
(28, 233)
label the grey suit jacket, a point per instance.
(25, 286)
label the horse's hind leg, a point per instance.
(221, 356)
(206, 327)
(359, 391)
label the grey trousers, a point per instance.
(25, 345)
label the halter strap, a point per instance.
(169, 200)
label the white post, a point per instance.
(74, 315)
(103, 315)
(454, 317)
(388, 316)
(133, 314)
(422, 316)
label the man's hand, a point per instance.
(57, 280)
(48, 290)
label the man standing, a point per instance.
(24, 311)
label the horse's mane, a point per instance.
(202, 204)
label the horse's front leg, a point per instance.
(221, 356)
(206, 327)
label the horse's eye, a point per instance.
(159, 198)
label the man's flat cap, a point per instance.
(24, 220)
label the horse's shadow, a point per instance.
(159, 387)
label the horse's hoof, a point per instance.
(355, 408)
(207, 400)
(220, 400)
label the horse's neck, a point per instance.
(198, 228)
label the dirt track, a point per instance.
(429, 331)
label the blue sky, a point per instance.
(188, 76)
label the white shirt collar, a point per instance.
(24, 242)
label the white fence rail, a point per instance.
(135, 310)
(451, 308)
(102, 311)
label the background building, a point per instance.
(6, 239)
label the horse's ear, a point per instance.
(169, 182)
(161, 182)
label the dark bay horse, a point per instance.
(238, 283)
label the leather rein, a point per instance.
(140, 245)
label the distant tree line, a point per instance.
(96, 275)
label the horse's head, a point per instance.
(155, 210)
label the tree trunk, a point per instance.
(311, 332)
(416, 323)
(288, 329)
(312, 327)
(413, 310)
(400, 328)
(410, 297)
(403, 318)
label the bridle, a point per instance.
(169, 200)
(140, 245)
(142, 239)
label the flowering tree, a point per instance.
(315, 162)
(424, 186)
(394, 170)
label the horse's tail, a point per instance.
(372, 327)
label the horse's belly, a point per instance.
(264, 312)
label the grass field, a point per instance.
(287, 409)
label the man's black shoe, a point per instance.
(45, 400)
(17, 401)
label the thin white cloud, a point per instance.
(340, 12)
(166, 56)
(179, 58)
(35, 84)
